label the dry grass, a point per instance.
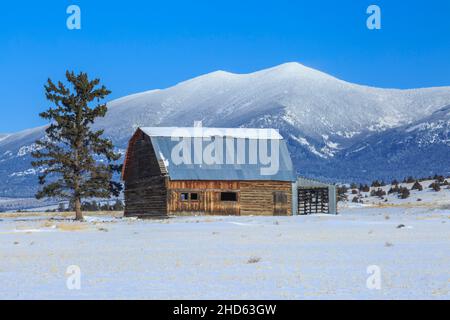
(253, 260)
(405, 205)
(68, 215)
(47, 224)
(71, 226)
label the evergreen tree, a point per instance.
(376, 184)
(67, 153)
(394, 189)
(417, 186)
(379, 193)
(364, 188)
(341, 193)
(435, 186)
(403, 193)
(410, 179)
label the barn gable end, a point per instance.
(145, 179)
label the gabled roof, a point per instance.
(244, 143)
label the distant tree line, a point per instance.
(375, 188)
(92, 206)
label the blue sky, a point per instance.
(140, 45)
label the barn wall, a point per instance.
(266, 197)
(254, 198)
(209, 198)
(145, 185)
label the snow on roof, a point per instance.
(245, 170)
(204, 132)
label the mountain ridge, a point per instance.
(322, 117)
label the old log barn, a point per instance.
(165, 174)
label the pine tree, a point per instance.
(417, 186)
(67, 152)
(403, 193)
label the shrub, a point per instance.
(435, 186)
(341, 193)
(354, 191)
(394, 189)
(364, 188)
(410, 179)
(417, 186)
(376, 184)
(394, 182)
(254, 260)
(403, 193)
(379, 193)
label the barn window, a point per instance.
(228, 196)
(184, 196)
(194, 196)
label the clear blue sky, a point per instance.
(140, 45)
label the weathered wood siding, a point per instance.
(265, 198)
(253, 198)
(208, 203)
(145, 184)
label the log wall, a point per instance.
(266, 197)
(253, 198)
(208, 198)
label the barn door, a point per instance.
(280, 203)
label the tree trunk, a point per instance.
(78, 213)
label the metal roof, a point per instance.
(241, 144)
(311, 183)
(205, 132)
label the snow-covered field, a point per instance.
(302, 257)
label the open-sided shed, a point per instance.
(315, 197)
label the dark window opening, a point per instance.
(184, 197)
(194, 196)
(228, 196)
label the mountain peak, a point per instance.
(295, 70)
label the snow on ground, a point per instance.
(301, 257)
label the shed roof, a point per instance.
(241, 145)
(311, 183)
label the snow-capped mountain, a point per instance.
(332, 126)
(423, 145)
